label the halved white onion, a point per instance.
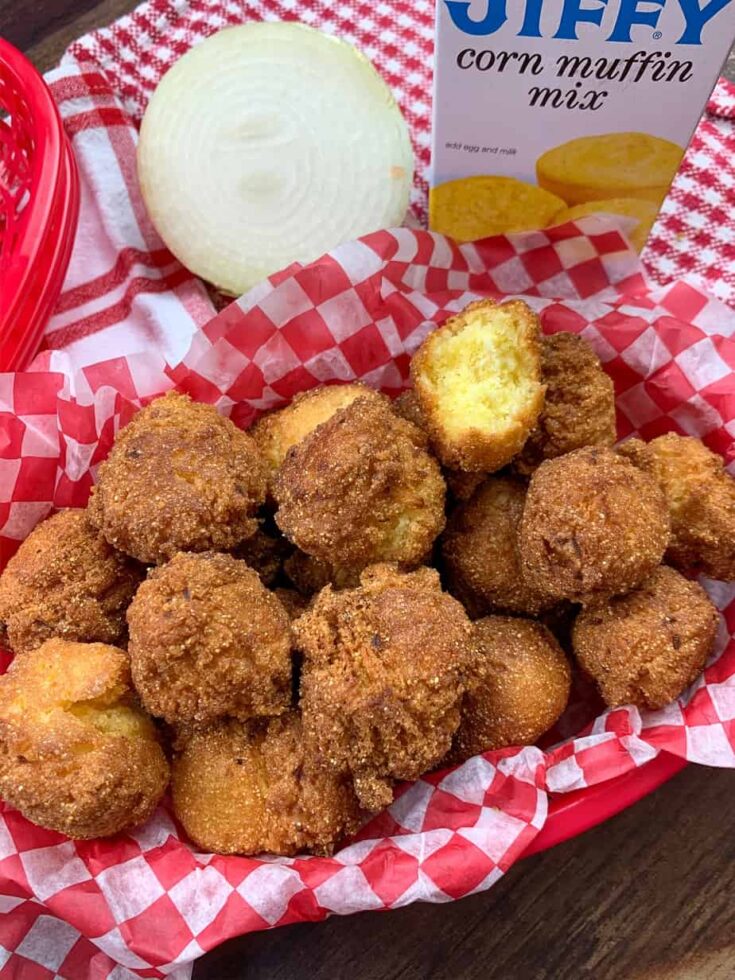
(267, 144)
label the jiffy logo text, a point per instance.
(619, 18)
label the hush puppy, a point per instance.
(460, 484)
(479, 549)
(276, 432)
(251, 788)
(579, 409)
(478, 384)
(383, 677)
(207, 639)
(361, 488)
(700, 494)
(180, 477)
(65, 580)
(646, 648)
(593, 525)
(77, 755)
(518, 687)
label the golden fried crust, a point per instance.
(65, 580)
(518, 687)
(383, 677)
(77, 755)
(478, 384)
(310, 575)
(361, 488)
(180, 477)
(580, 402)
(251, 788)
(278, 431)
(265, 553)
(647, 647)
(407, 407)
(701, 498)
(207, 639)
(593, 525)
(480, 552)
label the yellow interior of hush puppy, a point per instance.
(113, 719)
(493, 376)
(110, 712)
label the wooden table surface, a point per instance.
(650, 894)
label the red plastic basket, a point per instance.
(39, 207)
(574, 813)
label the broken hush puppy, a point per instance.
(478, 384)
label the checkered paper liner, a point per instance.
(146, 903)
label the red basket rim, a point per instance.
(35, 274)
(574, 813)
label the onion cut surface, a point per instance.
(267, 144)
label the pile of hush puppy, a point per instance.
(254, 617)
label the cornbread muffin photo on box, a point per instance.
(478, 384)
(644, 212)
(208, 640)
(475, 207)
(518, 687)
(612, 165)
(645, 648)
(77, 754)
(65, 580)
(248, 788)
(383, 677)
(179, 477)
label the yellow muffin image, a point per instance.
(631, 207)
(475, 207)
(595, 168)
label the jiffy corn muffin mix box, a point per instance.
(547, 110)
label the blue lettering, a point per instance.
(574, 13)
(531, 26)
(495, 17)
(696, 17)
(630, 14)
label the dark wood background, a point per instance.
(650, 894)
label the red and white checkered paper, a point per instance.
(147, 901)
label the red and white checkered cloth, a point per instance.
(146, 904)
(147, 901)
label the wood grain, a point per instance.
(648, 896)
